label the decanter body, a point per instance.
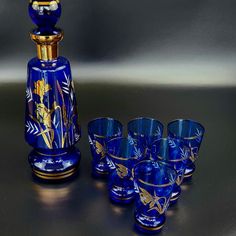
(51, 120)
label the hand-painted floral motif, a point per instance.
(100, 150)
(121, 170)
(41, 88)
(156, 203)
(53, 112)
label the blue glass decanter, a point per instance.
(51, 119)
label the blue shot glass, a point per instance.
(145, 131)
(100, 131)
(123, 155)
(174, 153)
(154, 181)
(191, 133)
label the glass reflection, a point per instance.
(53, 195)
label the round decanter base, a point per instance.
(54, 165)
(100, 170)
(121, 195)
(121, 200)
(150, 227)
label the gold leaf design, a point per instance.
(179, 179)
(43, 114)
(121, 170)
(100, 149)
(193, 153)
(152, 201)
(41, 87)
(46, 139)
(64, 112)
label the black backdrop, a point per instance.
(113, 30)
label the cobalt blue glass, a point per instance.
(191, 133)
(154, 181)
(174, 153)
(45, 14)
(123, 155)
(51, 117)
(144, 132)
(100, 131)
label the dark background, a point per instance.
(165, 59)
(109, 29)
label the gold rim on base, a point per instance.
(174, 199)
(150, 228)
(188, 175)
(122, 198)
(101, 173)
(57, 176)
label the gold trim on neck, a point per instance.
(47, 46)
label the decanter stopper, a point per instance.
(45, 14)
(51, 119)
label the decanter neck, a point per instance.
(47, 46)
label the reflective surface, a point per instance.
(81, 208)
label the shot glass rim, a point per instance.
(100, 118)
(156, 185)
(188, 120)
(147, 118)
(116, 157)
(163, 159)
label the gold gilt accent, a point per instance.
(150, 228)
(100, 149)
(121, 170)
(43, 114)
(102, 172)
(174, 160)
(121, 158)
(179, 179)
(188, 175)
(47, 45)
(52, 155)
(155, 185)
(41, 88)
(174, 198)
(193, 153)
(123, 198)
(63, 116)
(99, 136)
(192, 138)
(57, 176)
(40, 3)
(152, 201)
